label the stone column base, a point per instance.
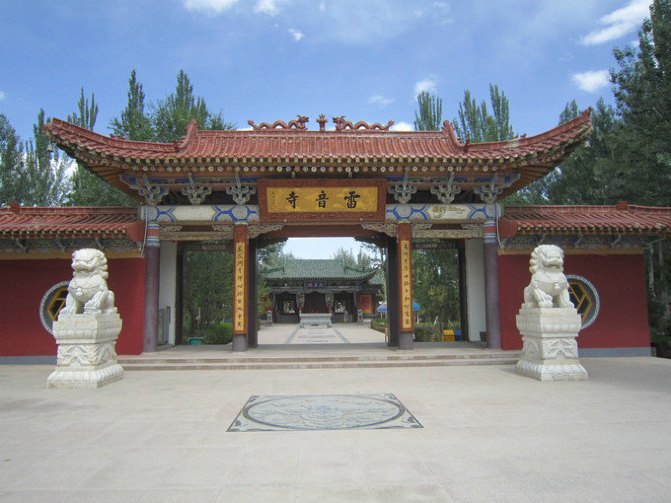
(239, 342)
(86, 355)
(406, 340)
(550, 350)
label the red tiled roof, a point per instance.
(18, 222)
(224, 150)
(619, 219)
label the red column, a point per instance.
(240, 287)
(406, 326)
(492, 285)
(152, 257)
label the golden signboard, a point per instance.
(406, 286)
(321, 199)
(338, 200)
(239, 313)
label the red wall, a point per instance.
(23, 283)
(620, 282)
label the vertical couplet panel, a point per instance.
(406, 328)
(240, 287)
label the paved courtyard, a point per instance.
(488, 435)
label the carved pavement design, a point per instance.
(323, 412)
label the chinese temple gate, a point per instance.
(360, 180)
(396, 189)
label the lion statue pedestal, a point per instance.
(548, 322)
(87, 327)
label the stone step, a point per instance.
(313, 363)
(158, 359)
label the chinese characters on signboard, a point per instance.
(327, 199)
(240, 285)
(406, 286)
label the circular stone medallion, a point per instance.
(330, 412)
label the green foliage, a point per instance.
(436, 284)
(379, 324)
(476, 124)
(218, 333)
(643, 95)
(172, 115)
(88, 189)
(208, 276)
(583, 177)
(29, 175)
(134, 123)
(426, 332)
(11, 157)
(430, 114)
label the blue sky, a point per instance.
(273, 59)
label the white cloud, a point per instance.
(428, 84)
(619, 23)
(379, 100)
(402, 126)
(297, 34)
(591, 81)
(322, 6)
(2, 95)
(269, 7)
(209, 6)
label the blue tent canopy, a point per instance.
(382, 308)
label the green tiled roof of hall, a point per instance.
(318, 269)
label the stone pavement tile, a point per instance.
(255, 493)
(411, 492)
(135, 475)
(340, 492)
(195, 476)
(173, 495)
(34, 496)
(492, 490)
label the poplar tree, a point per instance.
(476, 124)
(173, 114)
(134, 123)
(11, 157)
(87, 188)
(429, 116)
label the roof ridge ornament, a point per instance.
(342, 124)
(298, 123)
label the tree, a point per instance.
(28, 174)
(173, 114)
(134, 123)
(436, 284)
(45, 181)
(11, 157)
(476, 124)
(430, 114)
(87, 188)
(643, 96)
(581, 178)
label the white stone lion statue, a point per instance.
(548, 287)
(87, 291)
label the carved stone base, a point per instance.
(86, 354)
(85, 378)
(550, 351)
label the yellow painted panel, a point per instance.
(322, 199)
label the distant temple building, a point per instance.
(322, 286)
(394, 189)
